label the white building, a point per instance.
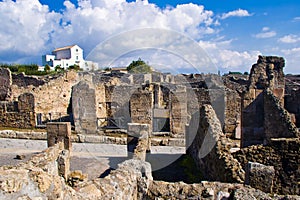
(66, 57)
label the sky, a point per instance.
(231, 33)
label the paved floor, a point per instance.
(93, 159)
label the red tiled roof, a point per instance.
(63, 48)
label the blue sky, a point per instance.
(233, 33)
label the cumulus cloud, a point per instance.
(229, 60)
(236, 13)
(29, 28)
(265, 33)
(290, 39)
(292, 60)
(25, 27)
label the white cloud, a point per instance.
(289, 39)
(266, 33)
(292, 60)
(229, 60)
(29, 28)
(296, 19)
(292, 51)
(265, 29)
(236, 13)
(25, 27)
(96, 20)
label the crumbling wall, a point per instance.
(277, 121)
(138, 140)
(260, 176)
(267, 73)
(206, 190)
(141, 104)
(84, 108)
(233, 109)
(100, 100)
(253, 121)
(283, 155)
(292, 104)
(36, 178)
(39, 178)
(52, 94)
(21, 80)
(18, 114)
(5, 84)
(178, 111)
(211, 150)
(265, 118)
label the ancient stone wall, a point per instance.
(141, 104)
(292, 104)
(178, 111)
(22, 80)
(18, 114)
(40, 178)
(267, 73)
(265, 118)
(5, 84)
(52, 94)
(206, 190)
(233, 109)
(36, 178)
(260, 176)
(211, 150)
(84, 108)
(253, 122)
(283, 155)
(277, 121)
(59, 132)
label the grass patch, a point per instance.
(190, 169)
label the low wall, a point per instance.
(207, 190)
(18, 114)
(283, 154)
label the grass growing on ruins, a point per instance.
(190, 169)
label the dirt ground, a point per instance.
(96, 160)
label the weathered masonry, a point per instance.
(97, 102)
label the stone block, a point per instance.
(59, 132)
(138, 130)
(84, 108)
(260, 176)
(63, 162)
(5, 84)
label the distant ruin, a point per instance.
(239, 130)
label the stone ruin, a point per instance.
(205, 113)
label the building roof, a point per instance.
(119, 68)
(64, 48)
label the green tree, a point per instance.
(58, 68)
(47, 68)
(75, 67)
(139, 66)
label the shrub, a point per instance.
(139, 66)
